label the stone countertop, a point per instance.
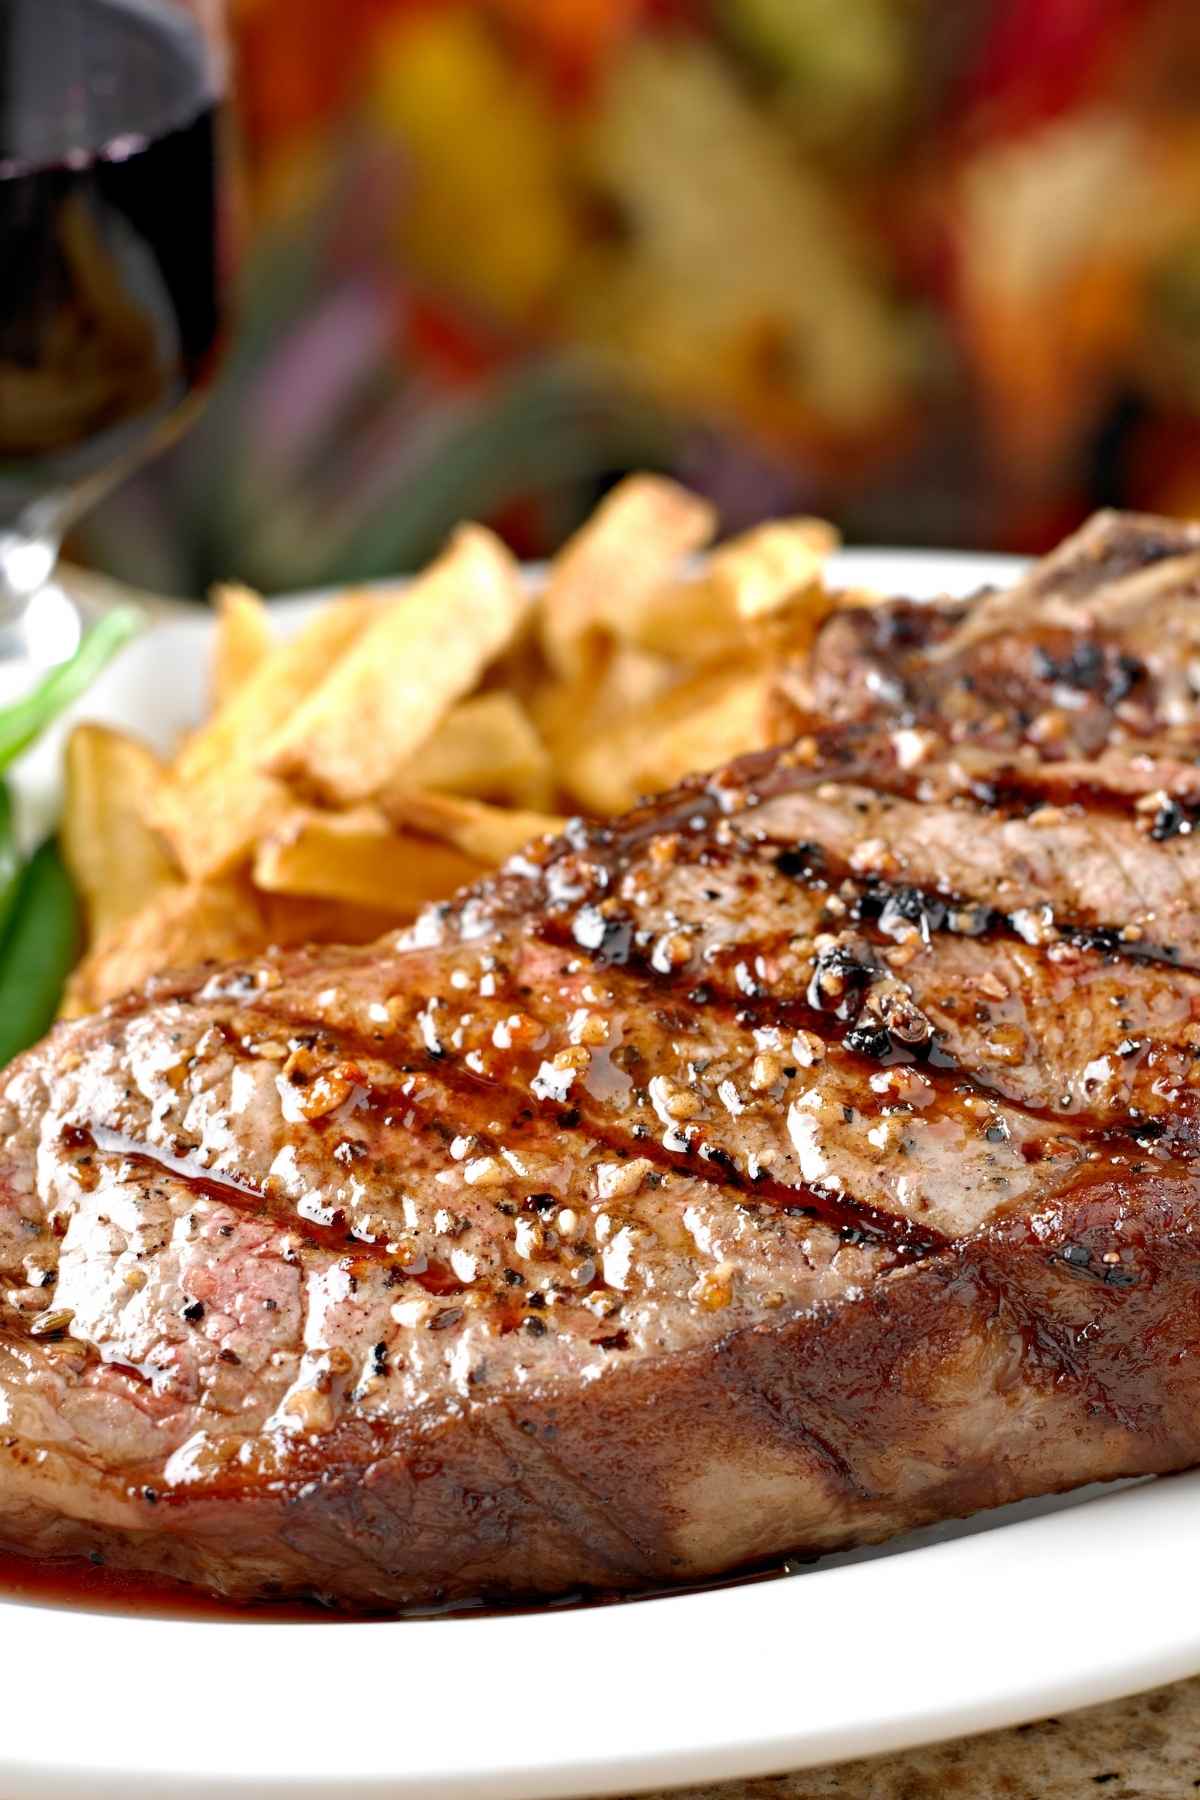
(1145, 1748)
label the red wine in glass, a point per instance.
(110, 258)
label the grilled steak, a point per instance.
(807, 1156)
(1094, 637)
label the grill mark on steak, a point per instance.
(947, 1075)
(946, 1072)
(1069, 871)
(848, 1215)
(998, 783)
(238, 1193)
(950, 912)
(742, 800)
(982, 806)
(517, 1125)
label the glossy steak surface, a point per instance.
(808, 1156)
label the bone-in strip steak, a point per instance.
(808, 1156)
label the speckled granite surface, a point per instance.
(1147, 1748)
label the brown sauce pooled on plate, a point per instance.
(84, 1586)
(79, 1585)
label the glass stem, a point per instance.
(26, 565)
(39, 623)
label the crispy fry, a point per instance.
(570, 712)
(183, 925)
(215, 802)
(490, 834)
(114, 857)
(485, 747)
(772, 570)
(717, 715)
(629, 547)
(357, 856)
(425, 651)
(206, 922)
(314, 919)
(244, 638)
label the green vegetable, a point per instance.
(39, 914)
(11, 863)
(28, 717)
(38, 951)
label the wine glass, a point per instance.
(111, 267)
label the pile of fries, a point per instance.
(406, 741)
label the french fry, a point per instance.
(357, 856)
(717, 715)
(487, 748)
(244, 638)
(629, 547)
(215, 801)
(404, 744)
(314, 919)
(767, 573)
(180, 926)
(568, 712)
(115, 859)
(426, 650)
(490, 834)
(205, 922)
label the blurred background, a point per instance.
(929, 267)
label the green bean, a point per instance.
(11, 861)
(38, 951)
(27, 717)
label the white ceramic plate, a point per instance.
(1016, 1614)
